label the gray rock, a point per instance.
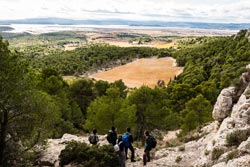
(244, 147)
(224, 104)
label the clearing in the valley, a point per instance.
(146, 71)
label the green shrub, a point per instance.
(181, 148)
(216, 153)
(206, 152)
(173, 143)
(88, 156)
(236, 137)
(247, 146)
(233, 154)
(178, 159)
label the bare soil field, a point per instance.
(70, 47)
(109, 35)
(145, 71)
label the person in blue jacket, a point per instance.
(128, 140)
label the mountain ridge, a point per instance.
(64, 21)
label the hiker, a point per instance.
(93, 138)
(127, 139)
(149, 144)
(112, 136)
(120, 150)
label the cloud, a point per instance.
(158, 10)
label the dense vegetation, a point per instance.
(37, 104)
(81, 153)
(92, 57)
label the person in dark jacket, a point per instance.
(121, 152)
(146, 155)
(128, 145)
(112, 136)
(93, 138)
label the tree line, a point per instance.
(92, 57)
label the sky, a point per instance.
(218, 11)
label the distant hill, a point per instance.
(5, 28)
(62, 21)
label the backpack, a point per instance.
(125, 139)
(110, 137)
(93, 139)
(117, 146)
(152, 142)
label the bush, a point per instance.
(236, 137)
(190, 136)
(233, 154)
(181, 148)
(178, 159)
(216, 153)
(173, 143)
(206, 152)
(88, 156)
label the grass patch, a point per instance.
(233, 154)
(181, 148)
(236, 137)
(206, 152)
(216, 153)
(173, 143)
(178, 159)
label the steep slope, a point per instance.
(223, 143)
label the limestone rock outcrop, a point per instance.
(50, 156)
(224, 103)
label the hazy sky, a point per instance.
(162, 10)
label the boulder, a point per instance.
(243, 161)
(244, 147)
(51, 155)
(224, 104)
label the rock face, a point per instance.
(232, 139)
(51, 155)
(223, 106)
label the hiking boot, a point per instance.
(144, 160)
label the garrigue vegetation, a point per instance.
(81, 153)
(38, 104)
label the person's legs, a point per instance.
(131, 148)
(126, 152)
(123, 160)
(144, 159)
(119, 159)
(148, 156)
